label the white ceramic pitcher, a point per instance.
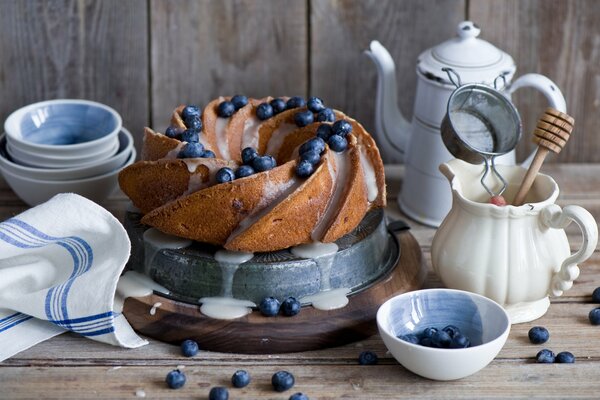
(424, 195)
(516, 256)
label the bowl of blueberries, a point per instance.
(443, 334)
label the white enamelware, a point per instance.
(475, 61)
(63, 127)
(516, 256)
(482, 320)
(95, 168)
(36, 191)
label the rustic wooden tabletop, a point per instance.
(71, 367)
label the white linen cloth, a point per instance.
(59, 267)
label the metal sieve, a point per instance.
(480, 124)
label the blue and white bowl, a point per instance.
(63, 128)
(485, 322)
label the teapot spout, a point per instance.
(392, 129)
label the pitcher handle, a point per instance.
(555, 217)
(548, 88)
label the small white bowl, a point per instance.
(36, 191)
(485, 322)
(63, 128)
(87, 170)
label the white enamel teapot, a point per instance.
(425, 196)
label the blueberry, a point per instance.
(175, 379)
(428, 332)
(441, 339)
(225, 174)
(264, 111)
(249, 154)
(538, 335)
(326, 115)
(595, 294)
(451, 330)
(303, 118)
(594, 316)
(269, 306)
(410, 338)
(315, 144)
(240, 379)
(208, 154)
(290, 307)
(565, 357)
(367, 358)
(190, 111)
(311, 156)
(315, 104)
(460, 341)
(263, 163)
(426, 341)
(295, 102)
(545, 356)
(324, 131)
(282, 381)
(190, 136)
(194, 123)
(278, 105)
(225, 109)
(173, 133)
(337, 143)
(298, 396)
(304, 169)
(191, 150)
(189, 348)
(218, 393)
(341, 127)
(239, 101)
(244, 171)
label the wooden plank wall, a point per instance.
(144, 57)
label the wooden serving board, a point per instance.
(311, 329)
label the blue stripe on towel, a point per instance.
(13, 320)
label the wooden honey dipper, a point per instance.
(551, 134)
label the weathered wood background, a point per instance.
(144, 57)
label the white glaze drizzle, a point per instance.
(172, 154)
(197, 181)
(221, 137)
(154, 307)
(155, 241)
(134, 284)
(250, 134)
(369, 175)
(278, 137)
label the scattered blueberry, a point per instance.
(298, 396)
(218, 393)
(441, 339)
(428, 332)
(225, 174)
(282, 381)
(225, 109)
(290, 307)
(367, 358)
(194, 123)
(315, 144)
(315, 104)
(545, 356)
(175, 379)
(190, 136)
(311, 156)
(565, 357)
(451, 330)
(324, 131)
(173, 133)
(326, 115)
(303, 118)
(239, 101)
(208, 154)
(190, 111)
(189, 348)
(594, 316)
(410, 338)
(341, 127)
(269, 306)
(295, 102)
(240, 379)
(244, 171)
(249, 154)
(191, 150)
(278, 105)
(264, 111)
(304, 169)
(337, 143)
(538, 335)
(263, 163)
(596, 295)
(460, 341)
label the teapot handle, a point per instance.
(548, 88)
(555, 217)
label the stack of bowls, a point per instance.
(60, 146)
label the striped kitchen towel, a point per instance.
(59, 267)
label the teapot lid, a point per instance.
(475, 60)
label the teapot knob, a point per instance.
(467, 30)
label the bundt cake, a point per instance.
(257, 175)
